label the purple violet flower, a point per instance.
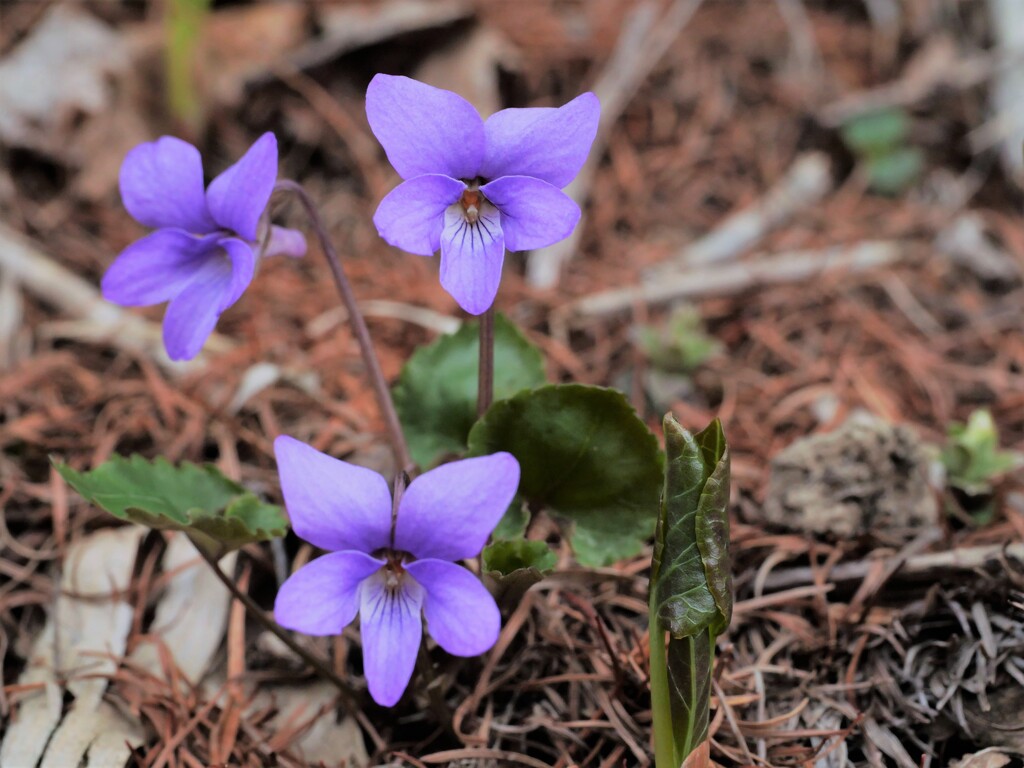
(204, 252)
(387, 573)
(475, 187)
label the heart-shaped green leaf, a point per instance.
(436, 392)
(513, 566)
(507, 556)
(513, 524)
(217, 513)
(585, 455)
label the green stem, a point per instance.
(681, 713)
(184, 26)
(661, 703)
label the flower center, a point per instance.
(471, 202)
(393, 571)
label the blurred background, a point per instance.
(802, 216)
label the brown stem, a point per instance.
(362, 333)
(348, 696)
(485, 381)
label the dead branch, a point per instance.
(61, 288)
(808, 180)
(919, 567)
(1008, 86)
(735, 278)
(644, 40)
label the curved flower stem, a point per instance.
(347, 694)
(485, 380)
(362, 333)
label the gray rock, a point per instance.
(867, 477)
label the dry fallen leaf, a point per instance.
(987, 758)
(470, 67)
(59, 72)
(82, 642)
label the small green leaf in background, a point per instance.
(972, 457)
(894, 172)
(217, 513)
(691, 572)
(880, 141)
(680, 344)
(585, 455)
(436, 393)
(512, 567)
(876, 133)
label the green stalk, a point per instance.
(661, 703)
(680, 721)
(690, 662)
(184, 24)
(691, 591)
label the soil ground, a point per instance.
(877, 664)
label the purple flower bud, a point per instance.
(203, 254)
(475, 187)
(389, 576)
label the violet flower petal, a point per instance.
(238, 197)
(411, 216)
(424, 129)
(322, 597)
(392, 629)
(243, 267)
(534, 214)
(192, 314)
(332, 504)
(548, 144)
(285, 242)
(156, 268)
(162, 186)
(461, 614)
(448, 512)
(471, 258)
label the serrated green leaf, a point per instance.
(506, 556)
(585, 455)
(217, 513)
(691, 572)
(513, 566)
(436, 392)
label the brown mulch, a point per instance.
(814, 671)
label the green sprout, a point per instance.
(880, 142)
(691, 589)
(680, 345)
(972, 457)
